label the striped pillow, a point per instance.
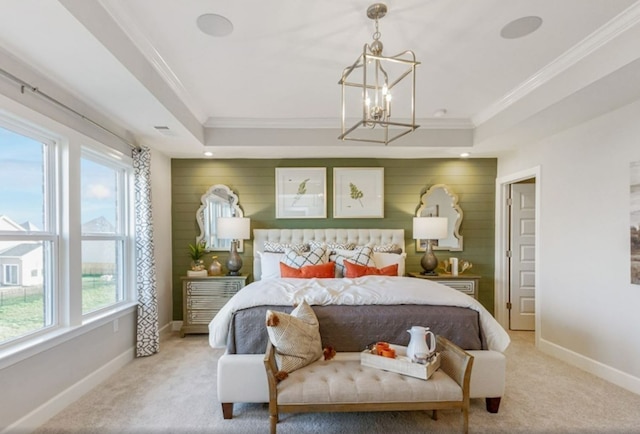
(295, 336)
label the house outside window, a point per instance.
(104, 232)
(28, 233)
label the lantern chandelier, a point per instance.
(371, 84)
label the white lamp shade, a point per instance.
(430, 228)
(234, 228)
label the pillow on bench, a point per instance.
(296, 338)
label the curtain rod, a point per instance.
(24, 85)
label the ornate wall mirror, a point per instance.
(440, 201)
(218, 201)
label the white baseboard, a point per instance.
(613, 375)
(59, 402)
(176, 326)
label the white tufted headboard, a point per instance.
(359, 237)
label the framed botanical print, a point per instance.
(358, 192)
(301, 192)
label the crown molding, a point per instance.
(602, 36)
(133, 32)
(425, 123)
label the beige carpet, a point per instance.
(174, 392)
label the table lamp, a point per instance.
(429, 228)
(234, 229)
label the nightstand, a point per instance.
(467, 283)
(203, 297)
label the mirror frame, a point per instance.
(205, 226)
(455, 228)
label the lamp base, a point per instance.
(429, 262)
(234, 263)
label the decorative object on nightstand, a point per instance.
(429, 228)
(215, 268)
(447, 266)
(234, 229)
(196, 252)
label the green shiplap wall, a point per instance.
(405, 180)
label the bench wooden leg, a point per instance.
(227, 410)
(493, 404)
(273, 420)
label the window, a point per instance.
(27, 237)
(103, 233)
(66, 249)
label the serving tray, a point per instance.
(401, 364)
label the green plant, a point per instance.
(197, 251)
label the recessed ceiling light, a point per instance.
(521, 27)
(465, 154)
(214, 25)
(208, 154)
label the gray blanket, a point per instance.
(353, 328)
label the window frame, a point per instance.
(61, 242)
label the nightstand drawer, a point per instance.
(203, 297)
(466, 286)
(466, 283)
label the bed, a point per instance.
(353, 311)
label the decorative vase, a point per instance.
(197, 265)
(215, 269)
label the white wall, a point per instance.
(161, 203)
(38, 386)
(588, 309)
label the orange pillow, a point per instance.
(355, 270)
(325, 270)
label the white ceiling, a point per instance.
(270, 89)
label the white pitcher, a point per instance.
(423, 341)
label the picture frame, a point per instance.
(301, 192)
(358, 192)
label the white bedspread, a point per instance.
(358, 291)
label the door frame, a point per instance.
(501, 292)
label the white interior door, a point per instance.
(522, 285)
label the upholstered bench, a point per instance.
(242, 378)
(343, 384)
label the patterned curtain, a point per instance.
(148, 337)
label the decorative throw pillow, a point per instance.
(360, 255)
(387, 248)
(332, 247)
(296, 259)
(326, 270)
(274, 247)
(296, 338)
(384, 259)
(355, 270)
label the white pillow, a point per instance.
(270, 264)
(384, 259)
